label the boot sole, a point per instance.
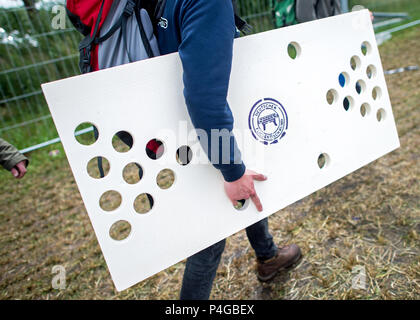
(287, 267)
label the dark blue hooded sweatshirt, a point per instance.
(202, 31)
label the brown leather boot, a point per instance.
(285, 258)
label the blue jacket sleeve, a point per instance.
(207, 31)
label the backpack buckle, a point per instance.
(86, 58)
(129, 8)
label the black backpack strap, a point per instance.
(131, 6)
(143, 34)
(110, 32)
(160, 6)
(240, 23)
(128, 12)
(120, 24)
(85, 46)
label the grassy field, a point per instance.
(370, 218)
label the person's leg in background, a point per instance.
(200, 272)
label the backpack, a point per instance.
(120, 31)
(308, 10)
(116, 32)
(283, 13)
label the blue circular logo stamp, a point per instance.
(268, 121)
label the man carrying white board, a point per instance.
(202, 31)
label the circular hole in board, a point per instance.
(360, 86)
(241, 204)
(355, 63)
(132, 173)
(323, 160)
(365, 109)
(98, 167)
(332, 96)
(293, 50)
(380, 115)
(143, 203)
(371, 71)
(120, 230)
(86, 133)
(376, 93)
(184, 155)
(366, 48)
(348, 103)
(155, 149)
(110, 200)
(165, 178)
(343, 79)
(122, 141)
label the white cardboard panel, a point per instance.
(146, 99)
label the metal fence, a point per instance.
(38, 45)
(32, 52)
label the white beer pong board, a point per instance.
(146, 99)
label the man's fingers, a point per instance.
(256, 176)
(14, 172)
(22, 173)
(257, 202)
(21, 164)
(21, 168)
(259, 177)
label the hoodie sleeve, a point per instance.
(10, 156)
(207, 30)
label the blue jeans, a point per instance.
(201, 268)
